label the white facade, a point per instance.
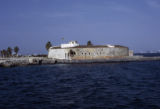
(72, 50)
(62, 52)
(111, 46)
(70, 44)
(58, 53)
(131, 53)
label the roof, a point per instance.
(93, 46)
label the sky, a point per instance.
(29, 24)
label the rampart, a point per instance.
(88, 52)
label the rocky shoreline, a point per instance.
(24, 61)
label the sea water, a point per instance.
(132, 85)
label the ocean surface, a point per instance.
(131, 85)
(148, 54)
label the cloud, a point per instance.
(154, 3)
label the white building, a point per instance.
(73, 50)
(70, 44)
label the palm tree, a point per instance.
(1, 53)
(48, 45)
(4, 53)
(9, 51)
(16, 50)
(89, 43)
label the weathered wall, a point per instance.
(58, 53)
(131, 53)
(89, 53)
(99, 53)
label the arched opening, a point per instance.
(72, 53)
(40, 62)
(55, 61)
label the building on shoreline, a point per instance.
(74, 51)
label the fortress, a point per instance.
(74, 51)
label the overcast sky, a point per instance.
(29, 24)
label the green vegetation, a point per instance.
(16, 50)
(48, 45)
(9, 52)
(89, 43)
(4, 53)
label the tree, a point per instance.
(48, 45)
(1, 53)
(9, 51)
(16, 50)
(4, 53)
(89, 43)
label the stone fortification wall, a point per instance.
(99, 53)
(59, 53)
(88, 53)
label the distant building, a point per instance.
(73, 50)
